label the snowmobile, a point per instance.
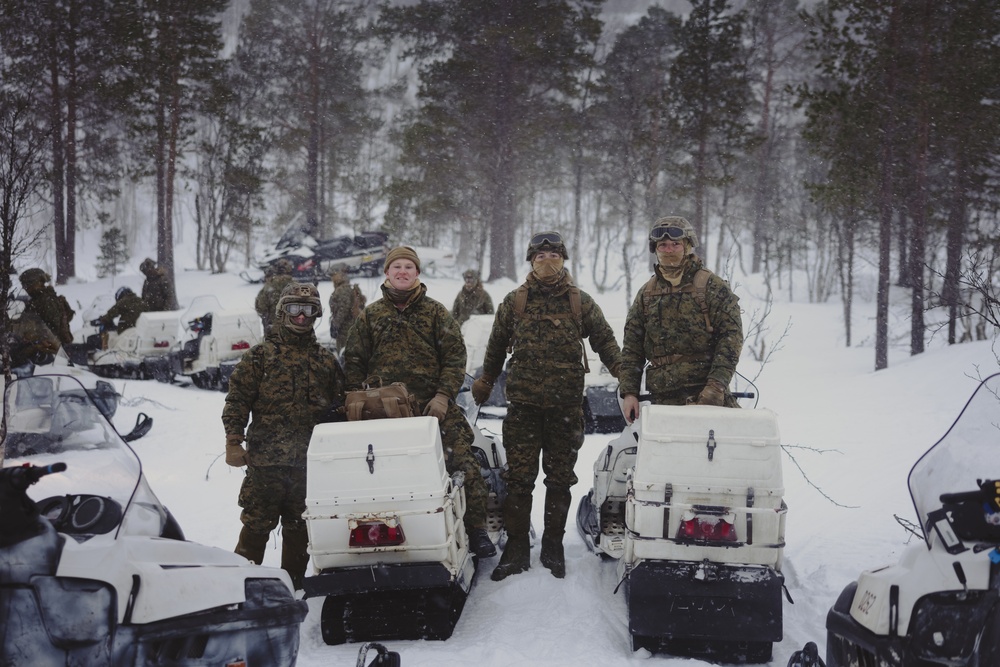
(133, 353)
(95, 571)
(688, 499)
(939, 604)
(216, 341)
(312, 260)
(389, 549)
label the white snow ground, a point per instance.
(853, 433)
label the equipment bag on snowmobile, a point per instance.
(378, 402)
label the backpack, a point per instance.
(358, 301)
(576, 312)
(698, 286)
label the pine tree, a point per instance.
(114, 253)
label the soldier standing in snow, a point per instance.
(544, 321)
(278, 276)
(343, 309)
(472, 299)
(53, 309)
(408, 337)
(685, 322)
(157, 292)
(284, 386)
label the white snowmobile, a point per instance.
(95, 571)
(215, 342)
(134, 352)
(689, 500)
(389, 549)
(940, 604)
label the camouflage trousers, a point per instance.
(273, 493)
(555, 432)
(456, 438)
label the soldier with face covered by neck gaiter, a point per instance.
(685, 322)
(542, 325)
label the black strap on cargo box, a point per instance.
(668, 492)
(750, 495)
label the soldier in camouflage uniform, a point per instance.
(408, 337)
(472, 299)
(53, 309)
(545, 394)
(128, 306)
(342, 314)
(30, 339)
(278, 276)
(157, 292)
(285, 386)
(692, 341)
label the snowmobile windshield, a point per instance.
(200, 306)
(966, 454)
(56, 419)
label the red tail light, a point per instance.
(377, 534)
(306, 265)
(242, 345)
(161, 343)
(707, 527)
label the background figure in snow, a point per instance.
(157, 290)
(346, 303)
(545, 320)
(408, 337)
(276, 278)
(685, 322)
(284, 386)
(54, 310)
(128, 307)
(472, 299)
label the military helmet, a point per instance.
(147, 265)
(672, 227)
(550, 241)
(297, 296)
(122, 292)
(33, 277)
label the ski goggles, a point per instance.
(664, 233)
(306, 309)
(550, 238)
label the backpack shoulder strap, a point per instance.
(700, 281)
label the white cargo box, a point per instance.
(376, 470)
(690, 456)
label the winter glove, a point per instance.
(714, 393)
(236, 456)
(437, 407)
(482, 388)
(630, 407)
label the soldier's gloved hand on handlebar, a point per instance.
(437, 407)
(236, 456)
(482, 387)
(713, 394)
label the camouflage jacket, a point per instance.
(420, 346)
(471, 302)
(30, 339)
(54, 310)
(341, 303)
(285, 386)
(267, 299)
(546, 364)
(670, 332)
(127, 310)
(156, 291)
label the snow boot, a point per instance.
(480, 543)
(295, 554)
(516, 556)
(251, 545)
(557, 502)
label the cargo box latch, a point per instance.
(371, 459)
(711, 443)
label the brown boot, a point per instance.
(557, 502)
(295, 554)
(251, 545)
(516, 556)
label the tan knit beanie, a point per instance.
(402, 252)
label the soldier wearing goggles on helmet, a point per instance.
(542, 324)
(685, 323)
(284, 387)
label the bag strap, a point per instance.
(355, 410)
(391, 407)
(576, 312)
(698, 286)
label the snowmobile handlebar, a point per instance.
(22, 477)
(989, 490)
